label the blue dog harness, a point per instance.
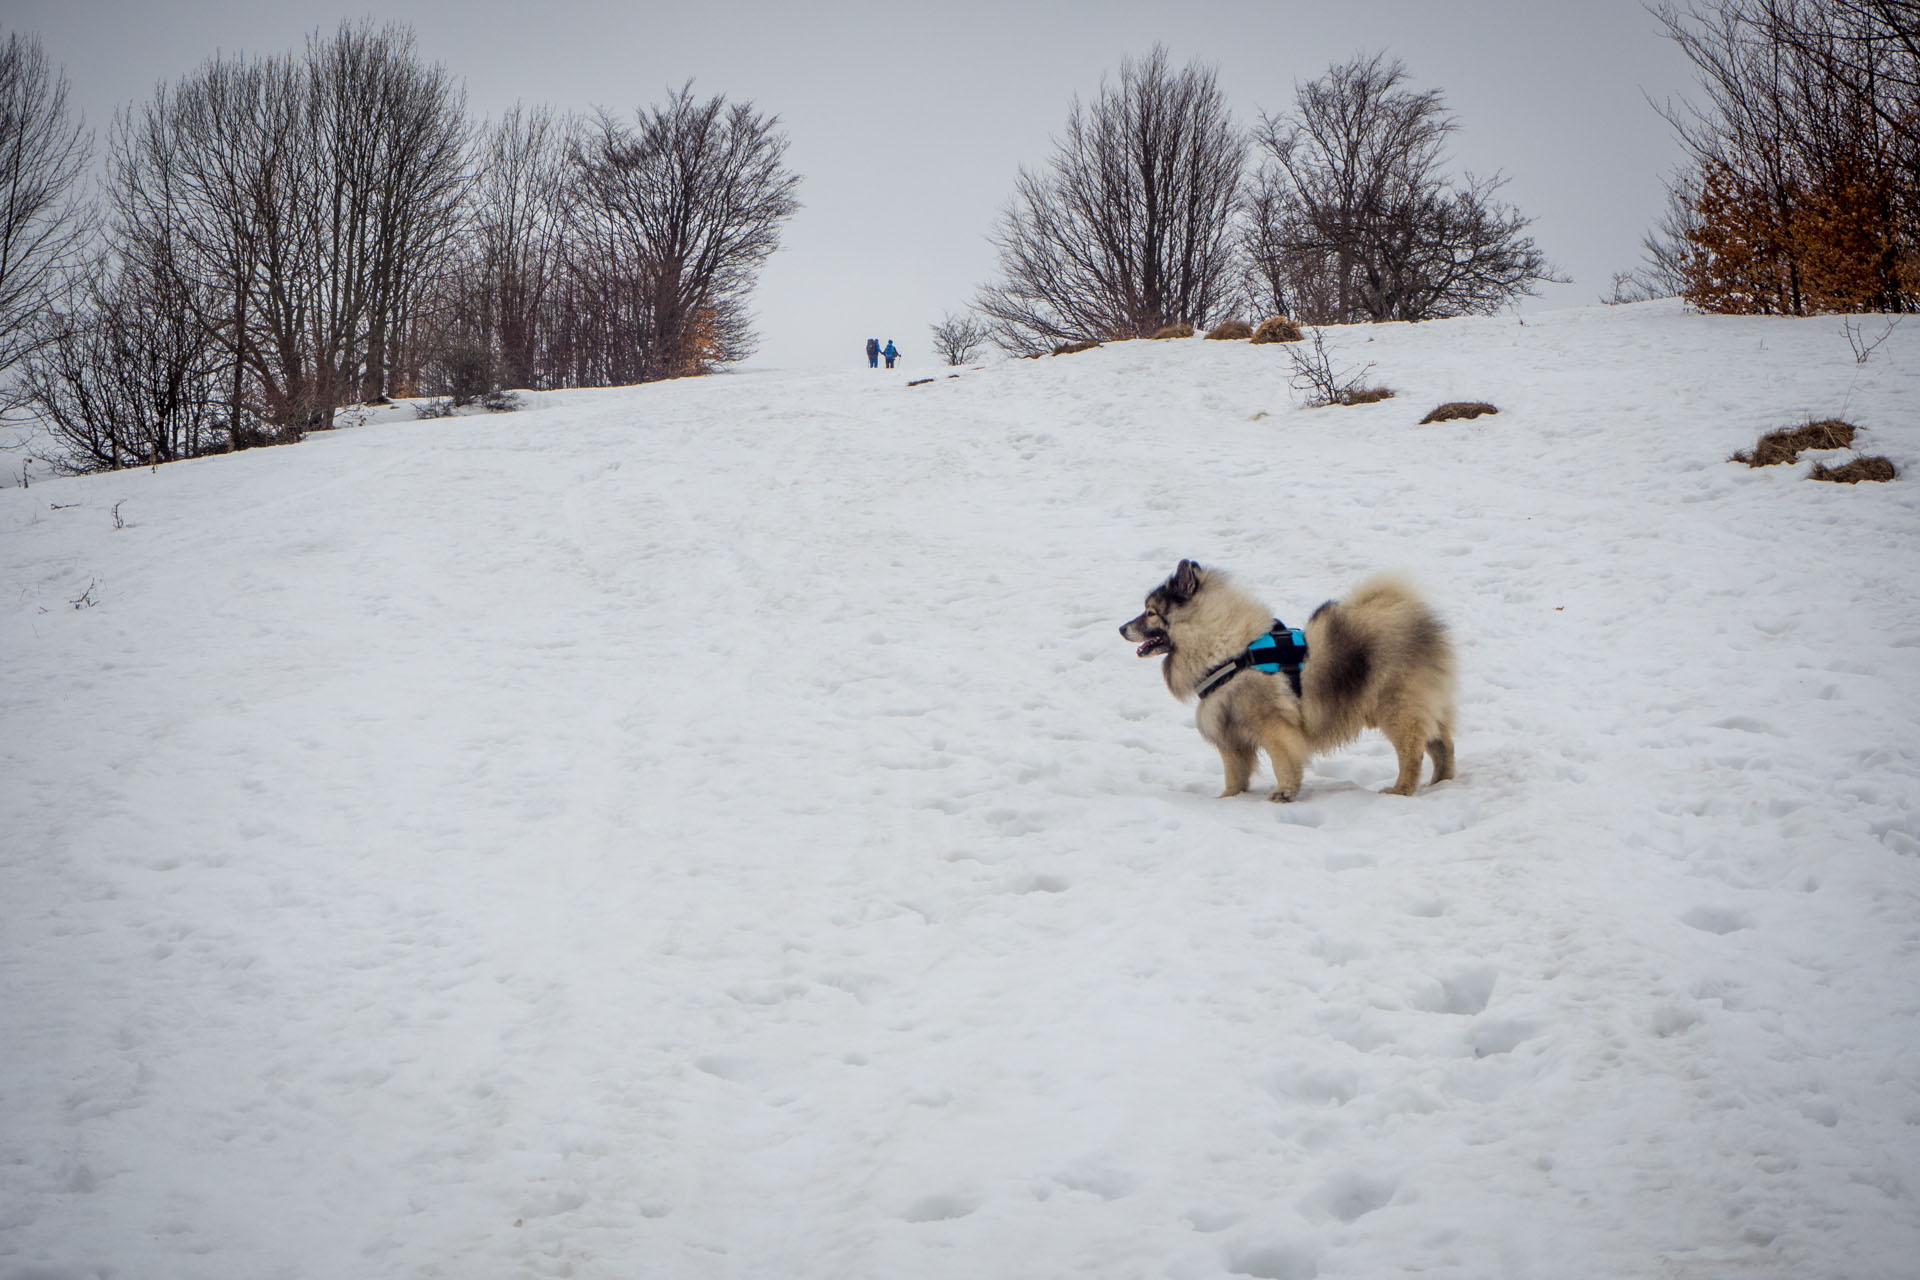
(1282, 651)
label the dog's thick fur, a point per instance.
(1378, 659)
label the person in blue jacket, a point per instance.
(892, 353)
(873, 353)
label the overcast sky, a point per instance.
(909, 123)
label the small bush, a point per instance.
(1854, 472)
(440, 408)
(1230, 331)
(1787, 443)
(1313, 372)
(498, 401)
(1174, 331)
(1278, 329)
(1073, 348)
(1458, 409)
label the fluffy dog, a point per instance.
(1378, 659)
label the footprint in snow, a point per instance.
(1465, 992)
(1717, 919)
(1350, 1196)
(939, 1208)
(1274, 1262)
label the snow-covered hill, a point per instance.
(715, 830)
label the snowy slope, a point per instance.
(714, 830)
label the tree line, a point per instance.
(276, 237)
(280, 236)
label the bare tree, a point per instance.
(1130, 228)
(394, 136)
(1354, 219)
(517, 217)
(672, 218)
(957, 338)
(43, 223)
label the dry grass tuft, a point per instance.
(1854, 472)
(1458, 409)
(1230, 331)
(1364, 395)
(1787, 443)
(1175, 331)
(1072, 348)
(1278, 329)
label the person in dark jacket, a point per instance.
(892, 353)
(873, 354)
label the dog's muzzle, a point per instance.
(1152, 640)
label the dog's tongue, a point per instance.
(1144, 651)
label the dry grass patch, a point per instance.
(1458, 409)
(1278, 329)
(1854, 472)
(1788, 443)
(1074, 348)
(1230, 331)
(1174, 331)
(1363, 395)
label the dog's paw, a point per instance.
(1280, 795)
(1396, 791)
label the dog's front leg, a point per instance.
(1238, 763)
(1287, 748)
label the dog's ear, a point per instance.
(1185, 582)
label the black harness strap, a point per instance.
(1281, 651)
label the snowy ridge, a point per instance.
(715, 830)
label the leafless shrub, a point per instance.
(440, 407)
(464, 372)
(128, 378)
(1313, 373)
(957, 338)
(1856, 338)
(1130, 229)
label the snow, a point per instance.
(714, 829)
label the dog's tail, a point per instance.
(1392, 612)
(1384, 589)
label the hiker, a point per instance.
(892, 353)
(873, 354)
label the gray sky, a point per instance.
(909, 123)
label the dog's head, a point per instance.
(1153, 629)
